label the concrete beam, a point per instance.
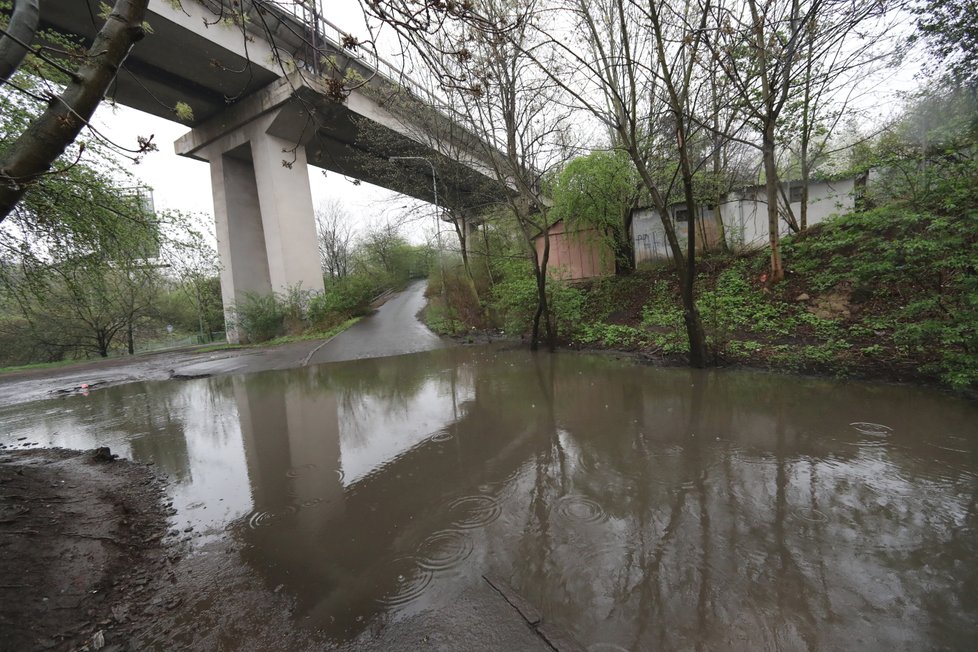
(288, 216)
(265, 221)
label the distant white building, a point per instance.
(744, 216)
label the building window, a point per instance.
(794, 194)
(682, 215)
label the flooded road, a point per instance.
(639, 508)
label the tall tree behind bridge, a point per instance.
(335, 238)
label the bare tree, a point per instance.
(770, 50)
(630, 65)
(335, 238)
(832, 77)
(482, 66)
(514, 105)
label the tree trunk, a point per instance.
(694, 325)
(543, 307)
(33, 152)
(485, 239)
(771, 186)
(625, 249)
(717, 170)
(806, 128)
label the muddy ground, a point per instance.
(80, 548)
(87, 563)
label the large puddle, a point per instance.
(640, 508)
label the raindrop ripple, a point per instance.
(444, 550)
(470, 512)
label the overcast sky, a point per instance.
(184, 184)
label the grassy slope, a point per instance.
(885, 294)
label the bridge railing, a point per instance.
(313, 35)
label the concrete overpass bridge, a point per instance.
(263, 85)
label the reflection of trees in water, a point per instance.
(388, 384)
(153, 417)
(536, 560)
(739, 511)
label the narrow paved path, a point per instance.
(394, 329)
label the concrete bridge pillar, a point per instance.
(265, 222)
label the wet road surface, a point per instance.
(393, 330)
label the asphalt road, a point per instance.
(393, 330)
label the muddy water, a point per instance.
(640, 508)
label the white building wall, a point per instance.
(649, 236)
(828, 198)
(744, 217)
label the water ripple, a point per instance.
(444, 550)
(297, 471)
(575, 507)
(261, 518)
(441, 436)
(871, 429)
(600, 556)
(410, 581)
(478, 510)
(811, 515)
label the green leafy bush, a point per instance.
(612, 335)
(344, 298)
(915, 270)
(515, 300)
(259, 317)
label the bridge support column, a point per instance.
(266, 227)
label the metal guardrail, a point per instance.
(311, 34)
(299, 28)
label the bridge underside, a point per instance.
(259, 150)
(259, 129)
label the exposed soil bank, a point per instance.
(80, 548)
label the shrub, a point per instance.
(344, 298)
(515, 299)
(294, 304)
(259, 317)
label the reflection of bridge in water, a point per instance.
(649, 508)
(262, 90)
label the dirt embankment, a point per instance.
(80, 549)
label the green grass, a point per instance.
(895, 289)
(278, 341)
(211, 348)
(41, 365)
(312, 335)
